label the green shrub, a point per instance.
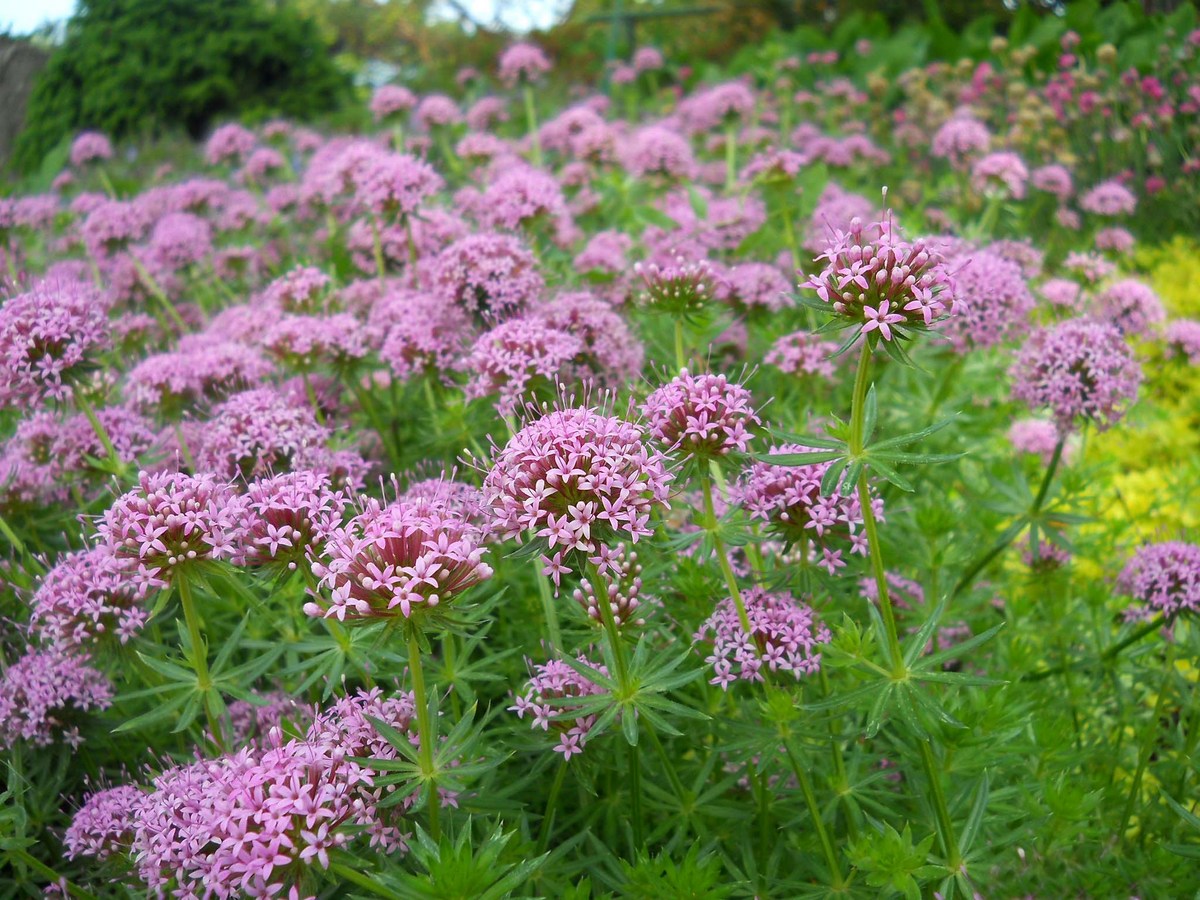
(133, 67)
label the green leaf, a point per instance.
(870, 414)
(800, 459)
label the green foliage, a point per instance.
(132, 67)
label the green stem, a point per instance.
(610, 625)
(710, 525)
(945, 826)
(44, 870)
(199, 655)
(547, 825)
(153, 287)
(680, 356)
(1147, 745)
(634, 752)
(98, 427)
(839, 762)
(857, 446)
(184, 449)
(424, 731)
(814, 811)
(789, 232)
(377, 246)
(549, 612)
(18, 544)
(531, 123)
(668, 766)
(311, 393)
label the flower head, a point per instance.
(555, 680)
(44, 694)
(47, 338)
(1132, 306)
(1079, 370)
(701, 416)
(103, 826)
(802, 353)
(784, 636)
(489, 276)
(1109, 199)
(679, 287)
(577, 479)
(885, 283)
(391, 99)
(523, 64)
(90, 146)
(87, 597)
(398, 560)
(289, 517)
(997, 299)
(1164, 578)
(511, 359)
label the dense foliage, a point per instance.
(635, 498)
(137, 67)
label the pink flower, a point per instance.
(701, 416)
(883, 320)
(555, 680)
(90, 146)
(1163, 578)
(391, 99)
(44, 693)
(513, 358)
(523, 64)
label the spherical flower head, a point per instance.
(657, 151)
(751, 286)
(1115, 240)
(258, 432)
(488, 276)
(960, 139)
(885, 284)
(1089, 267)
(523, 63)
(301, 290)
(717, 106)
(423, 334)
(678, 287)
(252, 721)
(998, 301)
(789, 500)
(836, 210)
(802, 353)
(606, 252)
(171, 520)
(1045, 556)
(391, 99)
(249, 824)
(1079, 370)
(1182, 337)
(437, 111)
(44, 694)
(577, 479)
(289, 517)
(1132, 306)
(229, 143)
(180, 240)
(103, 826)
(400, 560)
(550, 683)
(612, 354)
(86, 598)
(89, 147)
(1001, 175)
(1109, 199)
(1054, 179)
(395, 185)
(48, 337)
(1062, 293)
(521, 196)
(516, 357)
(485, 112)
(785, 636)
(701, 417)
(648, 59)
(1163, 578)
(199, 371)
(304, 343)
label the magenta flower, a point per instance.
(399, 560)
(517, 356)
(88, 147)
(885, 283)
(678, 287)
(657, 151)
(702, 416)
(1109, 199)
(103, 826)
(1182, 337)
(998, 301)
(785, 636)
(1000, 174)
(960, 139)
(554, 680)
(229, 143)
(1163, 578)
(489, 276)
(393, 186)
(522, 195)
(301, 290)
(789, 500)
(197, 373)
(47, 339)
(1035, 436)
(289, 517)
(578, 480)
(621, 574)
(1132, 306)
(523, 63)
(171, 520)
(802, 353)
(44, 694)
(611, 352)
(391, 99)
(1080, 371)
(87, 597)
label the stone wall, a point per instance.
(20, 62)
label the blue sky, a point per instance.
(22, 16)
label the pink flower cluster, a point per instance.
(523, 64)
(1163, 578)
(785, 636)
(289, 517)
(579, 480)
(401, 559)
(511, 359)
(885, 283)
(45, 694)
(87, 597)
(555, 680)
(802, 353)
(1078, 370)
(701, 416)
